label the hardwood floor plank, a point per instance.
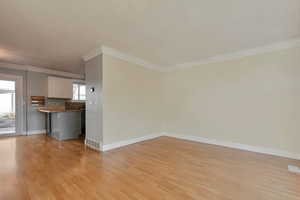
(38, 167)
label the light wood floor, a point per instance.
(38, 168)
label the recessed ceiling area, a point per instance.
(56, 34)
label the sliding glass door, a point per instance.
(11, 105)
(7, 107)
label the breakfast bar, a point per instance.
(62, 123)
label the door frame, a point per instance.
(19, 101)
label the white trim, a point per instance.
(130, 141)
(241, 54)
(91, 145)
(41, 70)
(129, 58)
(92, 54)
(123, 56)
(214, 59)
(36, 132)
(233, 145)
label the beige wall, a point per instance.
(132, 100)
(254, 101)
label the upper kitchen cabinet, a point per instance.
(61, 88)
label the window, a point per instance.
(79, 92)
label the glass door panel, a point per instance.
(7, 107)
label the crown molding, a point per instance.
(39, 69)
(121, 55)
(214, 59)
(92, 54)
(240, 54)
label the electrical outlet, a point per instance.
(294, 169)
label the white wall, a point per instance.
(132, 106)
(254, 101)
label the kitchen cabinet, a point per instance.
(61, 88)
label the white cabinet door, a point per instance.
(60, 88)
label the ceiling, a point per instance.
(56, 34)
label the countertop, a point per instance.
(55, 109)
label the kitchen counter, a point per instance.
(56, 109)
(62, 123)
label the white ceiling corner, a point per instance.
(121, 55)
(92, 54)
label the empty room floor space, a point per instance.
(39, 167)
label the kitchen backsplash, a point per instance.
(75, 105)
(55, 102)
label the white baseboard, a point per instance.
(130, 141)
(233, 145)
(36, 132)
(256, 149)
(93, 144)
